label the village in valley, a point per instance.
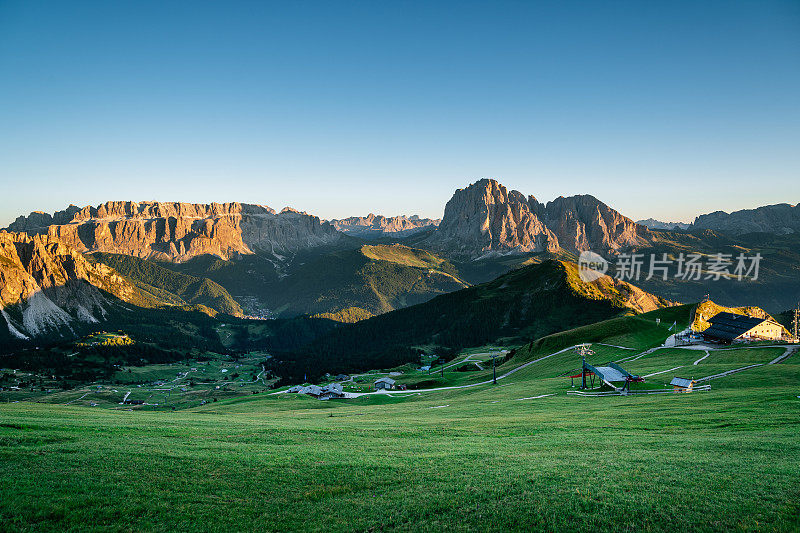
(715, 334)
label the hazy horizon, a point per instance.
(663, 111)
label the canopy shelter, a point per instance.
(611, 374)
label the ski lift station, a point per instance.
(612, 375)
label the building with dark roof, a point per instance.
(384, 383)
(682, 384)
(728, 327)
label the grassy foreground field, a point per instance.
(491, 457)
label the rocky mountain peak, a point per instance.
(177, 231)
(487, 218)
(47, 287)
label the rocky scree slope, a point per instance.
(49, 288)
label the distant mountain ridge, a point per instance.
(485, 218)
(180, 231)
(272, 264)
(373, 225)
(778, 218)
(652, 223)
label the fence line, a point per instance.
(697, 388)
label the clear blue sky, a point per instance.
(666, 109)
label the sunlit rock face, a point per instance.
(585, 223)
(46, 286)
(486, 218)
(180, 231)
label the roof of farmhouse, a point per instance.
(681, 382)
(730, 325)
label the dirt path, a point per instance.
(536, 397)
(698, 361)
(468, 359)
(662, 372)
(81, 398)
(784, 356)
(729, 372)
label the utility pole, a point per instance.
(494, 369)
(583, 373)
(796, 320)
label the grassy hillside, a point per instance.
(639, 332)
(524, 304)
(170, 286)
(518, 456)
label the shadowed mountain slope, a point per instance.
(524, 304)
(170, 286)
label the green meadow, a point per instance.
(520, 455)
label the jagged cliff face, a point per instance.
(486, 218)
(585, 223)
(779, 218)
(378, 225)
(47, 287)
(180, 231)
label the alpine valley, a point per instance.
(243, 276)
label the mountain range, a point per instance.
(179, 231)
(249, 260)
(375, 226)
(482, 218)
(778, 218)
(48, 288)
(486, 218)
(652, 223)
